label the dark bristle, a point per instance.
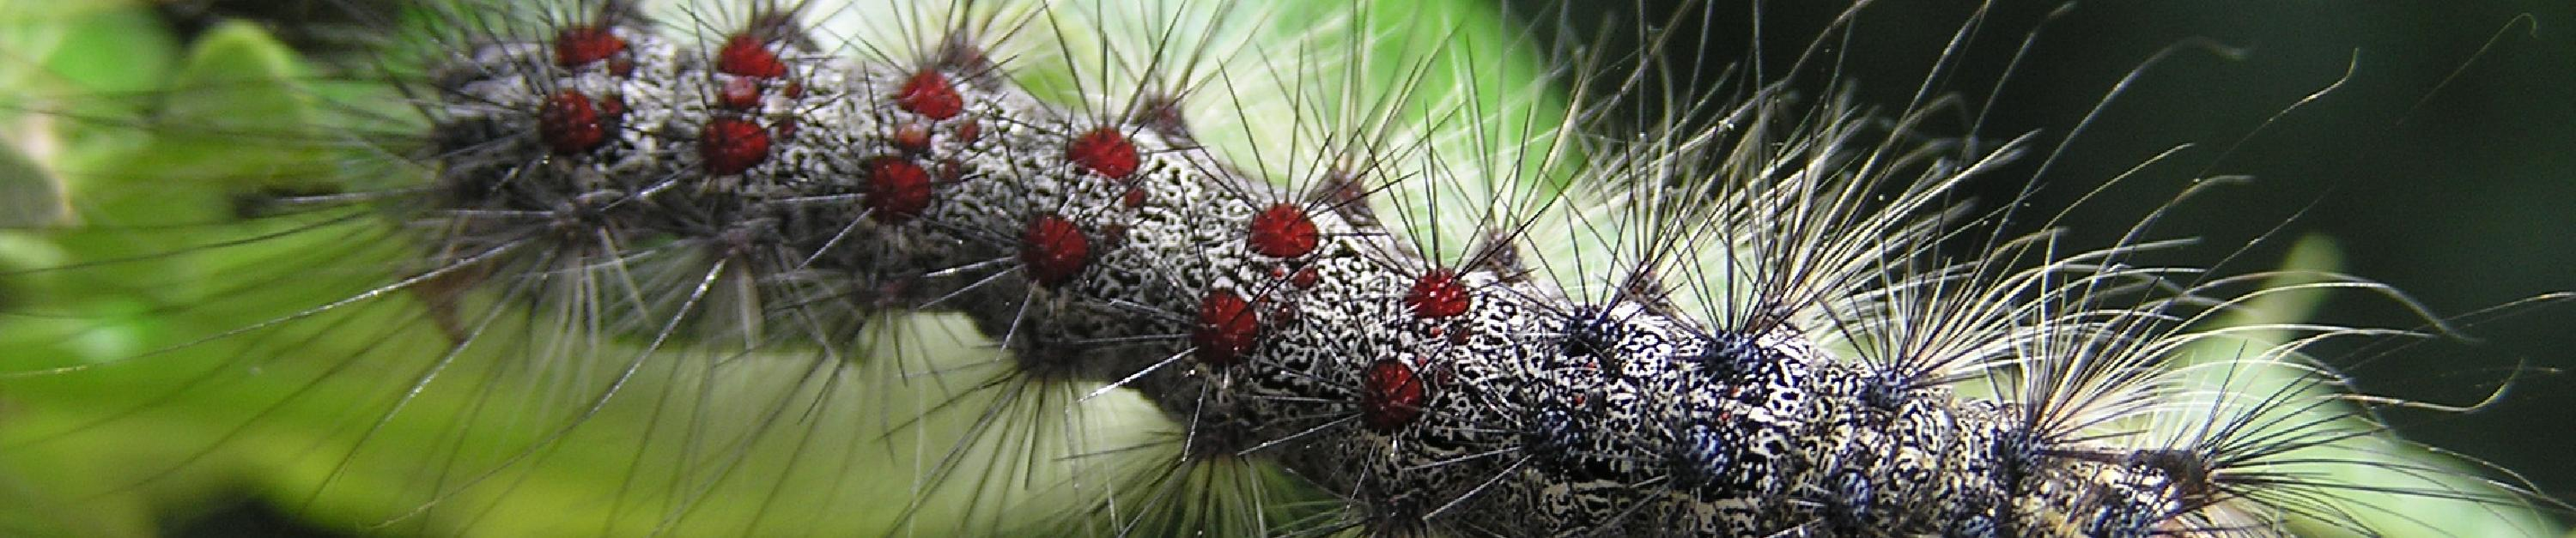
(961, 54)
(1343, 192)
(1591, 333)
(1162, 114)
(781, 28)
(1500, 253)
(269, 200)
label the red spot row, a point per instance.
(1283, 231)
(1438, 294)
(897, 190)
(1391, 397)
(1054, 250)
(1226, 329)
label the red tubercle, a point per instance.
(783, 128)
(1278, 312)
(1133, 198)
(950, 169)
(1113, 234)
(912, 137)
(612, 106)
(732, 145)
(577, 46)
(1304, 277)
(739, 93)
(968, 130)
(1226, 330)
(747, 55)
(1103, 151)
(1283, 231)
(897, 190)
(1391, 396)
(1438, 294)
(1054, 250)
(571, 123)
(929, 94)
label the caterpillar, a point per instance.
(709, 247)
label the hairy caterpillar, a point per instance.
(552, 318)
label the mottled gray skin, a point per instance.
(1657, 425)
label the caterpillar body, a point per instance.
(1423, 303)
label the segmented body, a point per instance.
(1471, 397)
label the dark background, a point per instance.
(2443, 169)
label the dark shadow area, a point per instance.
(248, 519)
